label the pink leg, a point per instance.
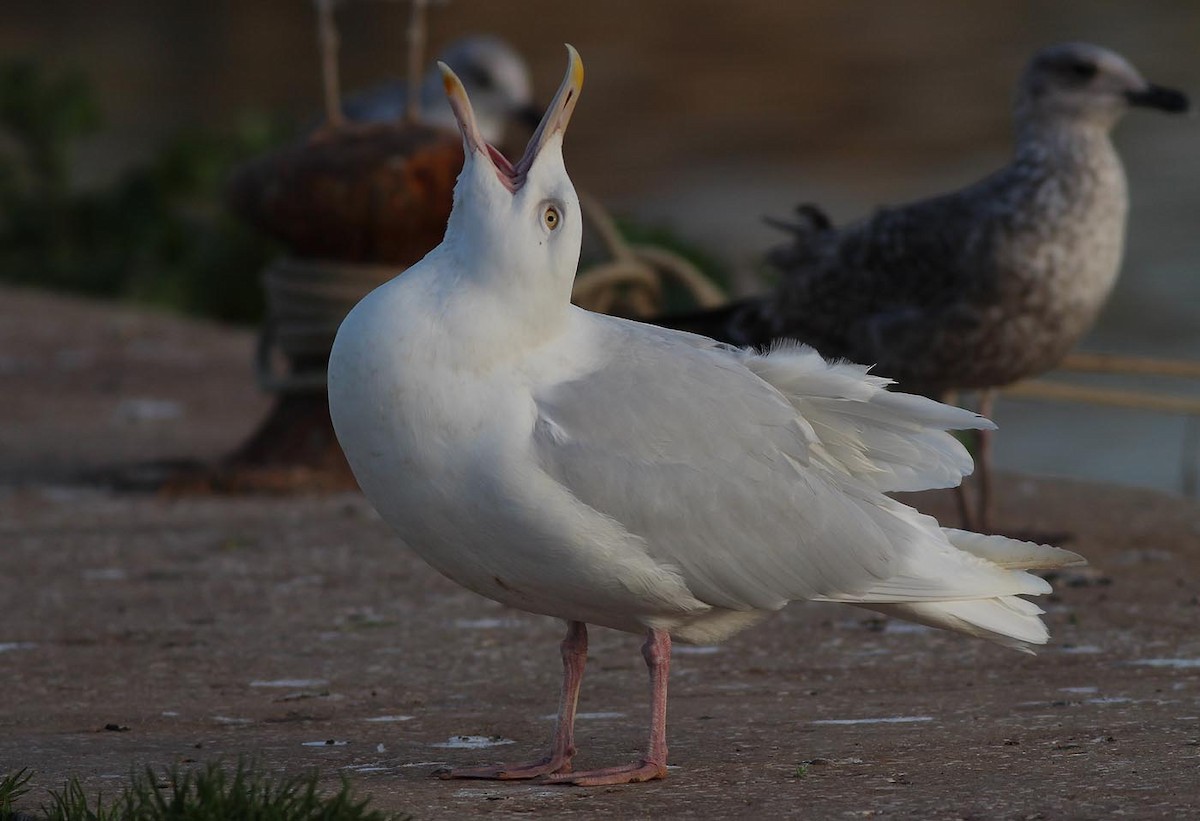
(574, 656)
(657, 652)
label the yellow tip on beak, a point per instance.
(559, 112)
(460, 104)
(575, 67)
(554, 121)
(450, 80)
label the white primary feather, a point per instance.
(892, 441)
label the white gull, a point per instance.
(613, 473)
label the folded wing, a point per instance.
(759, 478)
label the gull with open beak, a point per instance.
(607, 472)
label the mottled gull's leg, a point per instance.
(964, 506)
(562, 748)
(657, 652)
(983, 466)
(961, 493)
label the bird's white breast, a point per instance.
(418, 401)
(432, 401)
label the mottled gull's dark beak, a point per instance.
(1164, 99)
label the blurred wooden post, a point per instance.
(416, 59)
(328, 43)
(354, 204)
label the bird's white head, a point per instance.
(521, 222)
(1084, 84)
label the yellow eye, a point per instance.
(551, 217)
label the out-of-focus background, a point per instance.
(699, 117)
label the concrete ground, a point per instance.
(140, 630)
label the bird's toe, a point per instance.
(624, 774)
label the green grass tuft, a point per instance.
(209, 793)
(12, 787)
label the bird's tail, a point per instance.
(810, 231)
(1008, 620)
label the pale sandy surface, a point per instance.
(216, 626)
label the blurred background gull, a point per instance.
(858, 104)
(490, 68)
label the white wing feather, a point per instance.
(758, 478)
(891, 441)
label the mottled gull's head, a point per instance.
(1080, 83)
(492, 72)
(497, 79)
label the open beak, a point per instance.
(554, 121)
(1164, 99)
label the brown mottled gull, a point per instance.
(981, 287)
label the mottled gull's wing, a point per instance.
(679, 441)
(867, 290)
(932, 252)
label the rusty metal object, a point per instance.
(377, 193)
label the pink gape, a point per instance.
(556, 766)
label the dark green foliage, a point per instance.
(45, 116)
(12, 787)
(208, 793)
(158, 234)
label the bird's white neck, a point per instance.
(498, 309)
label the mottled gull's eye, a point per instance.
(1083, 70)
(551, 217)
